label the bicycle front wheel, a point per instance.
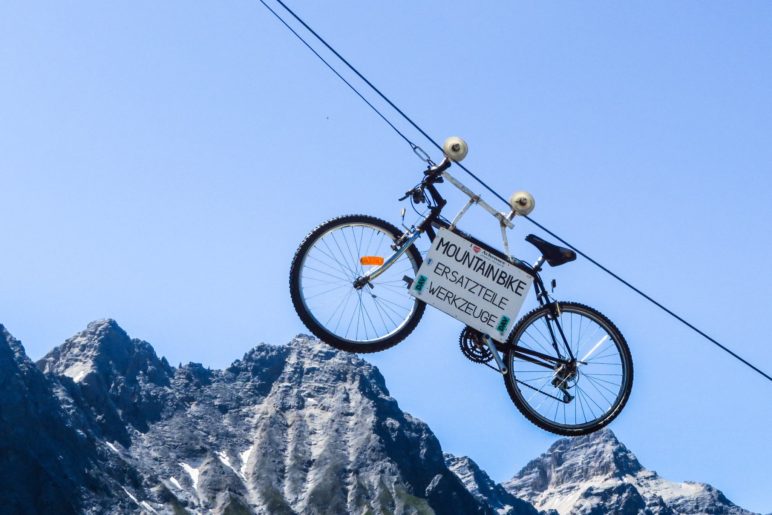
(568, 393)
(367, 319)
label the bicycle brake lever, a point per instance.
(407, 194)
(418, 196)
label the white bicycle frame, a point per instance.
(505, 222)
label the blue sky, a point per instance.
(161, 161)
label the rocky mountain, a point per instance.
(299, 428)
(48, 463)
(597, 474)
(101, 424)
(485, 489)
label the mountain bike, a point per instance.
(360, 284)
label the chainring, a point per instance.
(473, 346)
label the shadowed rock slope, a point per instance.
(299, 428)
(48, 463)
(101, 424)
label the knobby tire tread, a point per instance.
(559, 429)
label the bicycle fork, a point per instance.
(373, 274)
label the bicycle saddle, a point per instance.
(554, 254)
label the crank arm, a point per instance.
(492, 348)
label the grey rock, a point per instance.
(103, 425)
(598, 474)
(300, 428)
(48, 464)
(485, 489)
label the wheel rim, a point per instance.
(327, 273)
(597, 382)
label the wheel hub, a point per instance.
(566, 376)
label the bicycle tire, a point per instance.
(385, 300)
(529, 388)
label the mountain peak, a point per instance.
(602, 453)
(598, 474)
(104, 328)
(120, 381)
(484, 489)
(598, 455)
(105, 349)
(12, 355)
(6, 339)
(297, 428)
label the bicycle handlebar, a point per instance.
(438, 169)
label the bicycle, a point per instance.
(360, 284)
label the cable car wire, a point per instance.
(418, 150)
(333, 70)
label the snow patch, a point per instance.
(113, 448)
(141, 504)
(245, 458)
(227, 462)
(193, 473)
(130, 496)
(78, 371)
(173, 480)
(564, 500)
(669, 490)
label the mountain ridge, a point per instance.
(284, 429)
(590, 474)
(297, 428)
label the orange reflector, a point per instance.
(371, 260)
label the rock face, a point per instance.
(597, 474)
(118, 383)
(27, 455)
(295, 429)
(485, 489)
(47, 462)
(103, 425)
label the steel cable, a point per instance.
(416, 149)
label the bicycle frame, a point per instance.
(434, 220)
(361, 284)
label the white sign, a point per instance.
(472, 285)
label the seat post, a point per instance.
(538, 264)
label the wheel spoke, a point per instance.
(596, 385)
(325, 292)
(345, 300)
(329, 254)
(343, 264)
(327, 273)
(323, 281)
(596, 347)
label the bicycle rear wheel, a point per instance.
(562, 395)
(367, 319)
